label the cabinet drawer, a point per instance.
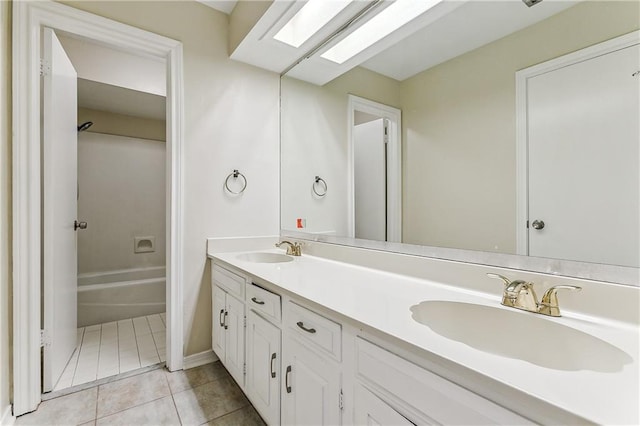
(438, 399)
(315, 328)
(229, 281)
(264, 301)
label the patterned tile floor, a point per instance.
(116, 347)
(203, 395)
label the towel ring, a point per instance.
(319, 182)
(235, 175)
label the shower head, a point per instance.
(531, 2)
(84, 126)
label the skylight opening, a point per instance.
(314, 15)
(377, 28)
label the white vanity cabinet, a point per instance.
(419, 395)
(228, 337)
(263, 353)
(311, 392)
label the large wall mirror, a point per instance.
(495, 133)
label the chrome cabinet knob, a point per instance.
(81, 225)
(537, 224)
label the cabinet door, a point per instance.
(263, 367)
(217, 327)
(311, 391)
(234, 328)
(371, 410)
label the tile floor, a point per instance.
(116, 347)
(203, 395)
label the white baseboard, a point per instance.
(196, 360)
(7, 418)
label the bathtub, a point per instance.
(112, 296)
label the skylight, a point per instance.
(314, 15)
(378, 27)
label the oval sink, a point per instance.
(265, 257)
(520, 335)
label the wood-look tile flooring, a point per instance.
(203, 395)
(113, 348)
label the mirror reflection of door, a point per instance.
(583, 160)
(370, 176)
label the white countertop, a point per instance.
(382, 300)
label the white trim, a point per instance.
(133, 271)
(394, 165)
(7, 418)
(522, 77)
(201, 358)
(28, 19)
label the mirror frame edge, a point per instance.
(571, 269)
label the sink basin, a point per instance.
(520, 335)
(265, 257)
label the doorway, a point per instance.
(578, 152)
(374, 170)
(32, 18)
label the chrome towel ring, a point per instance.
(235, 174)
(319, 183)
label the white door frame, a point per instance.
(522, 143)
(28, 19)
(394, 164)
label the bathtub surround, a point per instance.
(122, 196)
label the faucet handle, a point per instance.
(549, 303)
(506, 280)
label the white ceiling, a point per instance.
(470, 26)
(105, 97)
(224, 6)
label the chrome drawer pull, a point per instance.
(220, 319)
(226, 326)
(308, 330)
(273, 358)
(256, 301)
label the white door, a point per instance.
(60, 160)
(584, 170)
(263, 367)
(217, 327)
(234, 330)
(370, 180)
(311, 388)
(371, 410)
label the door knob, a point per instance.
(81, 225)
(537, 224)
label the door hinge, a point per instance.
(244, 368)
(245, 321)
(45, 68)
(527, 224)
(45, 339)
(386, 130)
(341, 400)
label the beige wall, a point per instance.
(5, 204)
(122, 125)
(122, 190)
(459, 129)
(314, 136)
(231, 122)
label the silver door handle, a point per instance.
(226, 326)
(537, 224)
(273, 358)
(286, 379)
(81, 225)
(221, 319)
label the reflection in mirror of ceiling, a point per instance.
(473, 24)
(224, 6)
(119, 100)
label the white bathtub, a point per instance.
(112, 296)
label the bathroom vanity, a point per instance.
(317, 341)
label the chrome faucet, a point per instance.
(521, 295)
(293, 249)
